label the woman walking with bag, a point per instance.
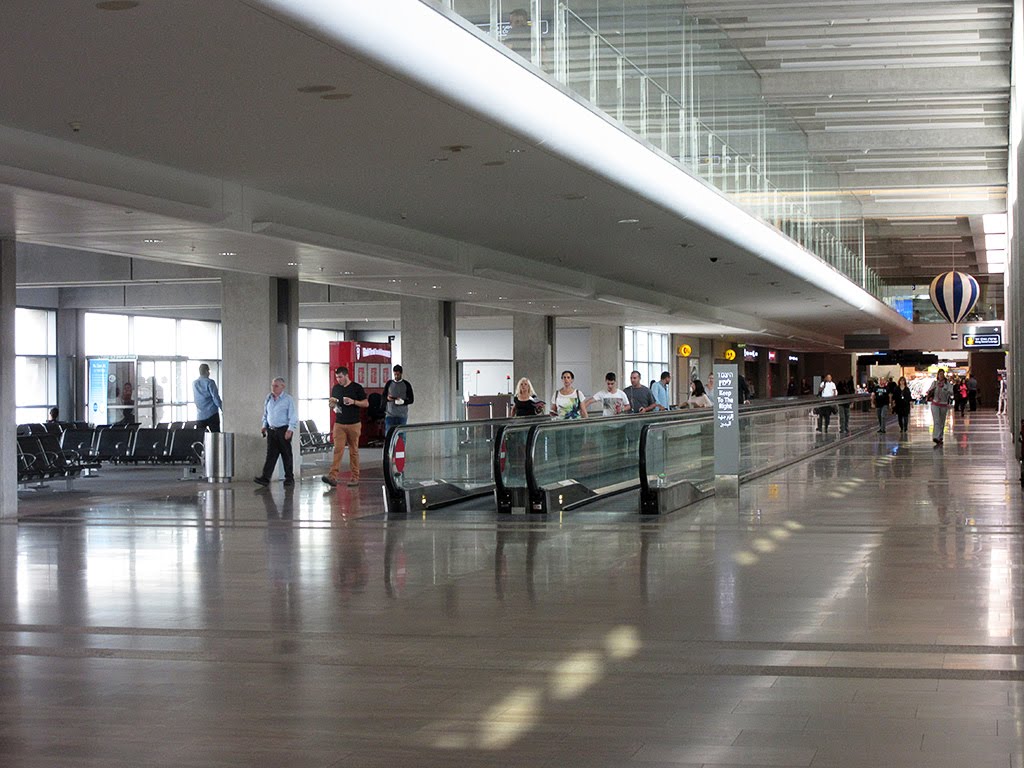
(901, 401)
(940, 394)
(567, 402)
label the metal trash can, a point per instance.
(219, 456)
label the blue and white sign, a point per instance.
(99, 371)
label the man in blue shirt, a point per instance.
(280, 420)
(660, 390)
(207, 400)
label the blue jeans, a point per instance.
(883, 415)
(394, 421)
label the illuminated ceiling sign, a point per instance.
(983, 341)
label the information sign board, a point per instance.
(727, 422)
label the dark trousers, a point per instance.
(904, 420)
(972, 399)
(212, 423)
(278, 447)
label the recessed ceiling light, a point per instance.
(394, 280)
(435, 286)
(516, 151)
(152, 240)
(336, 96)
(469, 293)
(684, 245)
(456, 148)
(117, 5)
(493, 163)
(347, 273)
(316, 88)
(293, 263)
(228, 253)
(629, 221)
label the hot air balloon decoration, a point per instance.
(954, 295)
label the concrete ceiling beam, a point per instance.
(881, 82)
(850, 141)
(897, 209)
(908, 178)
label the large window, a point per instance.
(35, 365)
(160, 358)
(313, 387)
(647, 352)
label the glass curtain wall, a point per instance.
(647, 352)
(315, 374)
(676, 81)
(35, 365)
(158, 357)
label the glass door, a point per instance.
(162, 394)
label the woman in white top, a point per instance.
(567, 402)
(698, 397)
(827, 388)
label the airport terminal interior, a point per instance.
(788, 208)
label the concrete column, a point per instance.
(259, 335)
(533, 352)
(606, 354)
(8, 432)
(68, 364)
(428, 358)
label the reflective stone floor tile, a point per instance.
(869, 756)
(715, 755)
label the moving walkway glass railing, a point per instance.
(677, 463)
(679, 83)
(428, 465)
(775, 437)
(572, 463)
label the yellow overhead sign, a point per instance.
(684, 350)
(730, 354)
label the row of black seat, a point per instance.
(41, 457)
(51, 427)
(312, 440)
(132, 446)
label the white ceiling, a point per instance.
(192, 131)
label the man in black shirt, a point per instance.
(347, 397)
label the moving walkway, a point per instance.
(541, 466)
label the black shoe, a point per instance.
(288, 481)
(261, 480)
(330, 481)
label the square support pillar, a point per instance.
(8, 414)
(533, 352)
(259, 337)
(606, 354)
(428, 358)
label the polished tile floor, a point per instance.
(863, 608)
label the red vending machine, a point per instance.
(369, 364)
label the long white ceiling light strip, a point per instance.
(419, 44)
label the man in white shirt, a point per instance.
(613, 400)
(827, 388)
